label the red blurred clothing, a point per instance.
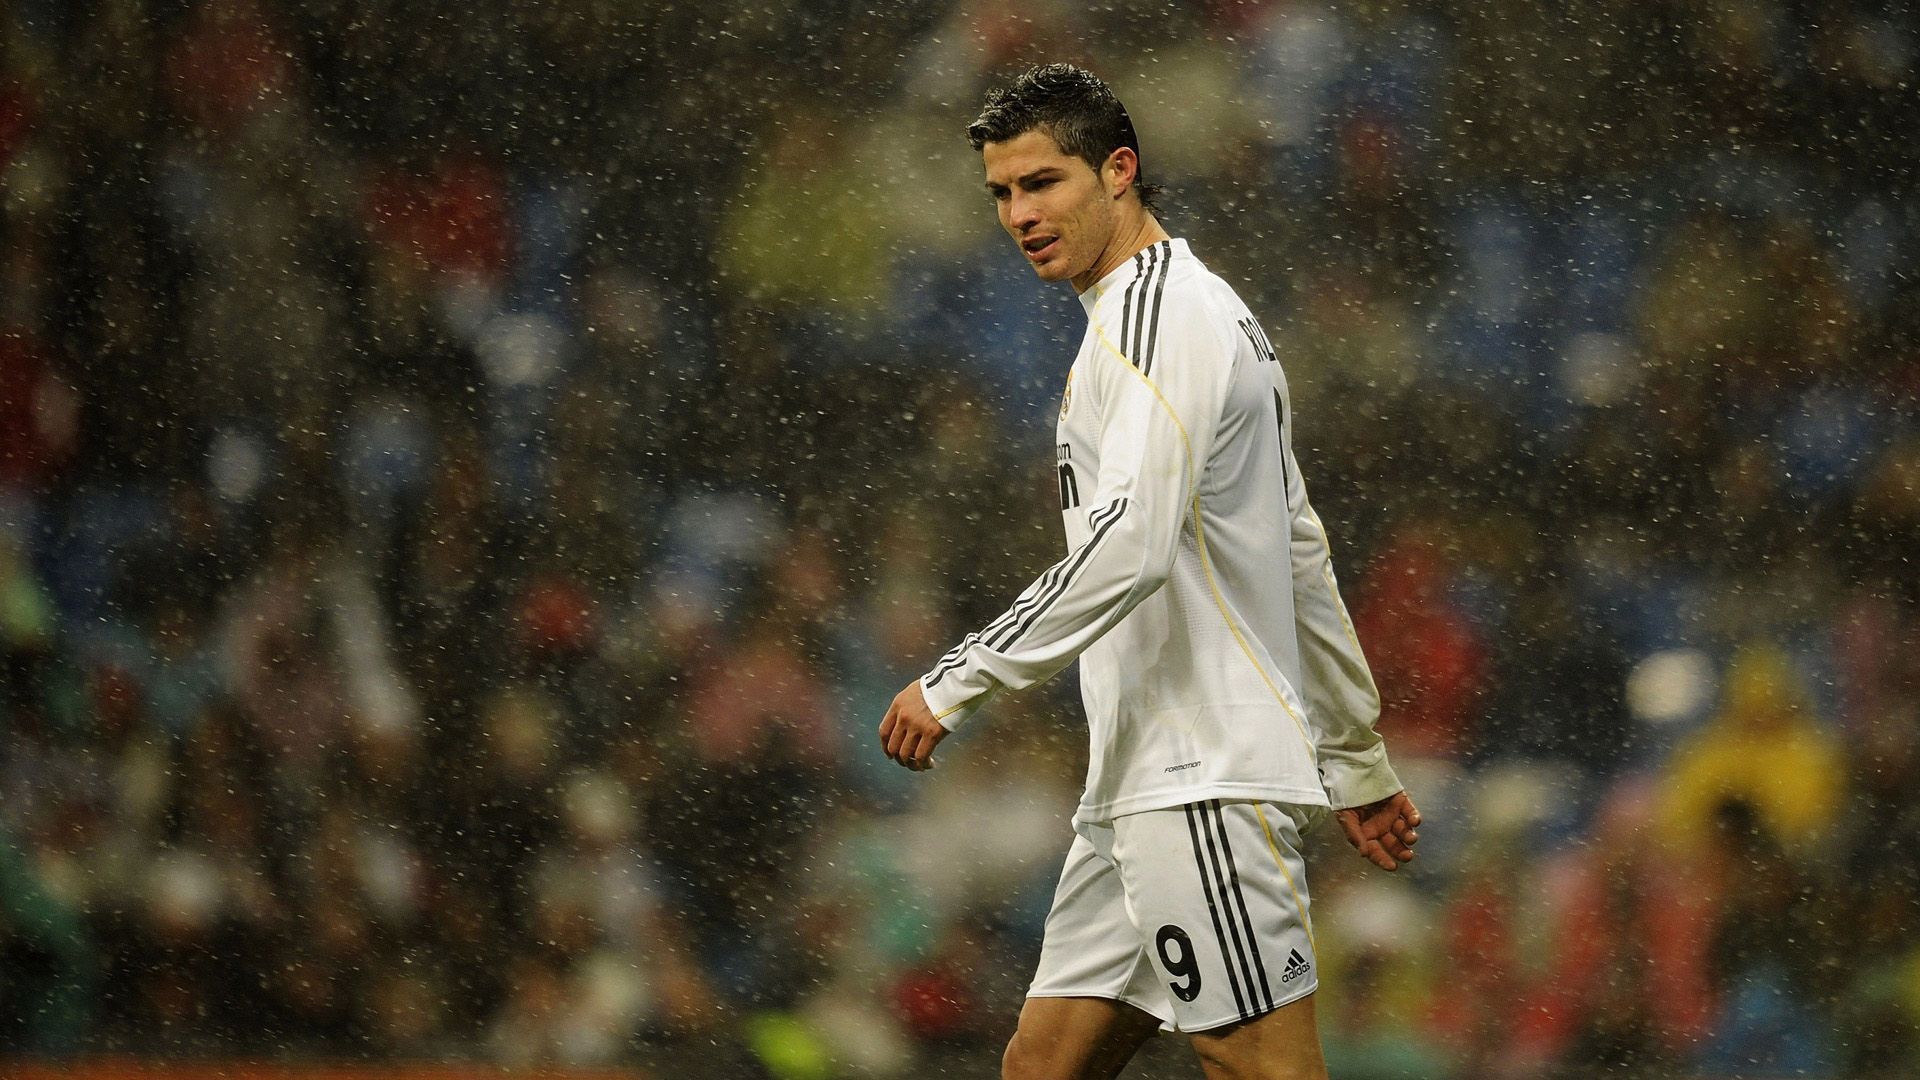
(1632, 930)
(1498, 1010)
(37, 414)
(453, 219)
(16, 118)
(760, 698)
(935, 1003)
(1605, 939)
(226, 64)
(555, 615)
(1426, 657)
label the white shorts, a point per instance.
(1196, 914)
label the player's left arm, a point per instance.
(1384, 831)
(1342, 702)
(1375, 813)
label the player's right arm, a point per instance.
(1154, 436)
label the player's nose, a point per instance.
(1023, 215)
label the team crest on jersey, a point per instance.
(1066, 396)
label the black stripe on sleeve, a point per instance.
(1139, 312)
(1219, 931)
(1114, 511)
(1153, 321)
(1020, 607)
(954, 652)
(1126, 302)
(957, 654)
(1280, 425)
(1052, 585)
(1240, 898)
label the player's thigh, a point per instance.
(1281, 1045)
(1092, 948)
(1075, 1038)
(1217, 890)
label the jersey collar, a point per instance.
(1130, 270)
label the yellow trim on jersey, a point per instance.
(1299, 905)
(1326, 571)
(1200, 537)
(1220, 601)
(978, 700)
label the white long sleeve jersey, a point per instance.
(1216, 658)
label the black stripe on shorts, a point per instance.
(1240, 898)
(1219, 928)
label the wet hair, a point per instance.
(1070, 104)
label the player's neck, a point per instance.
(1132, 237)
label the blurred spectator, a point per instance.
(1557, 686)
(1426, 657)
(49, 1003)
(1764, 748)
(785, 240)
(1632, 987)
(1769, 956)
(36, 413)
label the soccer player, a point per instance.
(1228, 703)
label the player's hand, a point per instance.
(1382, 832)
(909, 733)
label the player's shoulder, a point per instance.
(1206, 286)
(1169, 300)
(1214, 312)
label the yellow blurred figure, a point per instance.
(806, 232)
(1765, 748)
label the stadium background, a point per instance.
(471, 480)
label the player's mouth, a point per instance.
(1037, 248)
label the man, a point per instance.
(1227, 699)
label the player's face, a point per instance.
(1054, 205)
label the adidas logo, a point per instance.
(1297, 966)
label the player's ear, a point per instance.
(1121, 170)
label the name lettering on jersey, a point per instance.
(1179, 768)
(1069, 488)
(1259, 338)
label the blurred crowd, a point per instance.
(469, 488)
